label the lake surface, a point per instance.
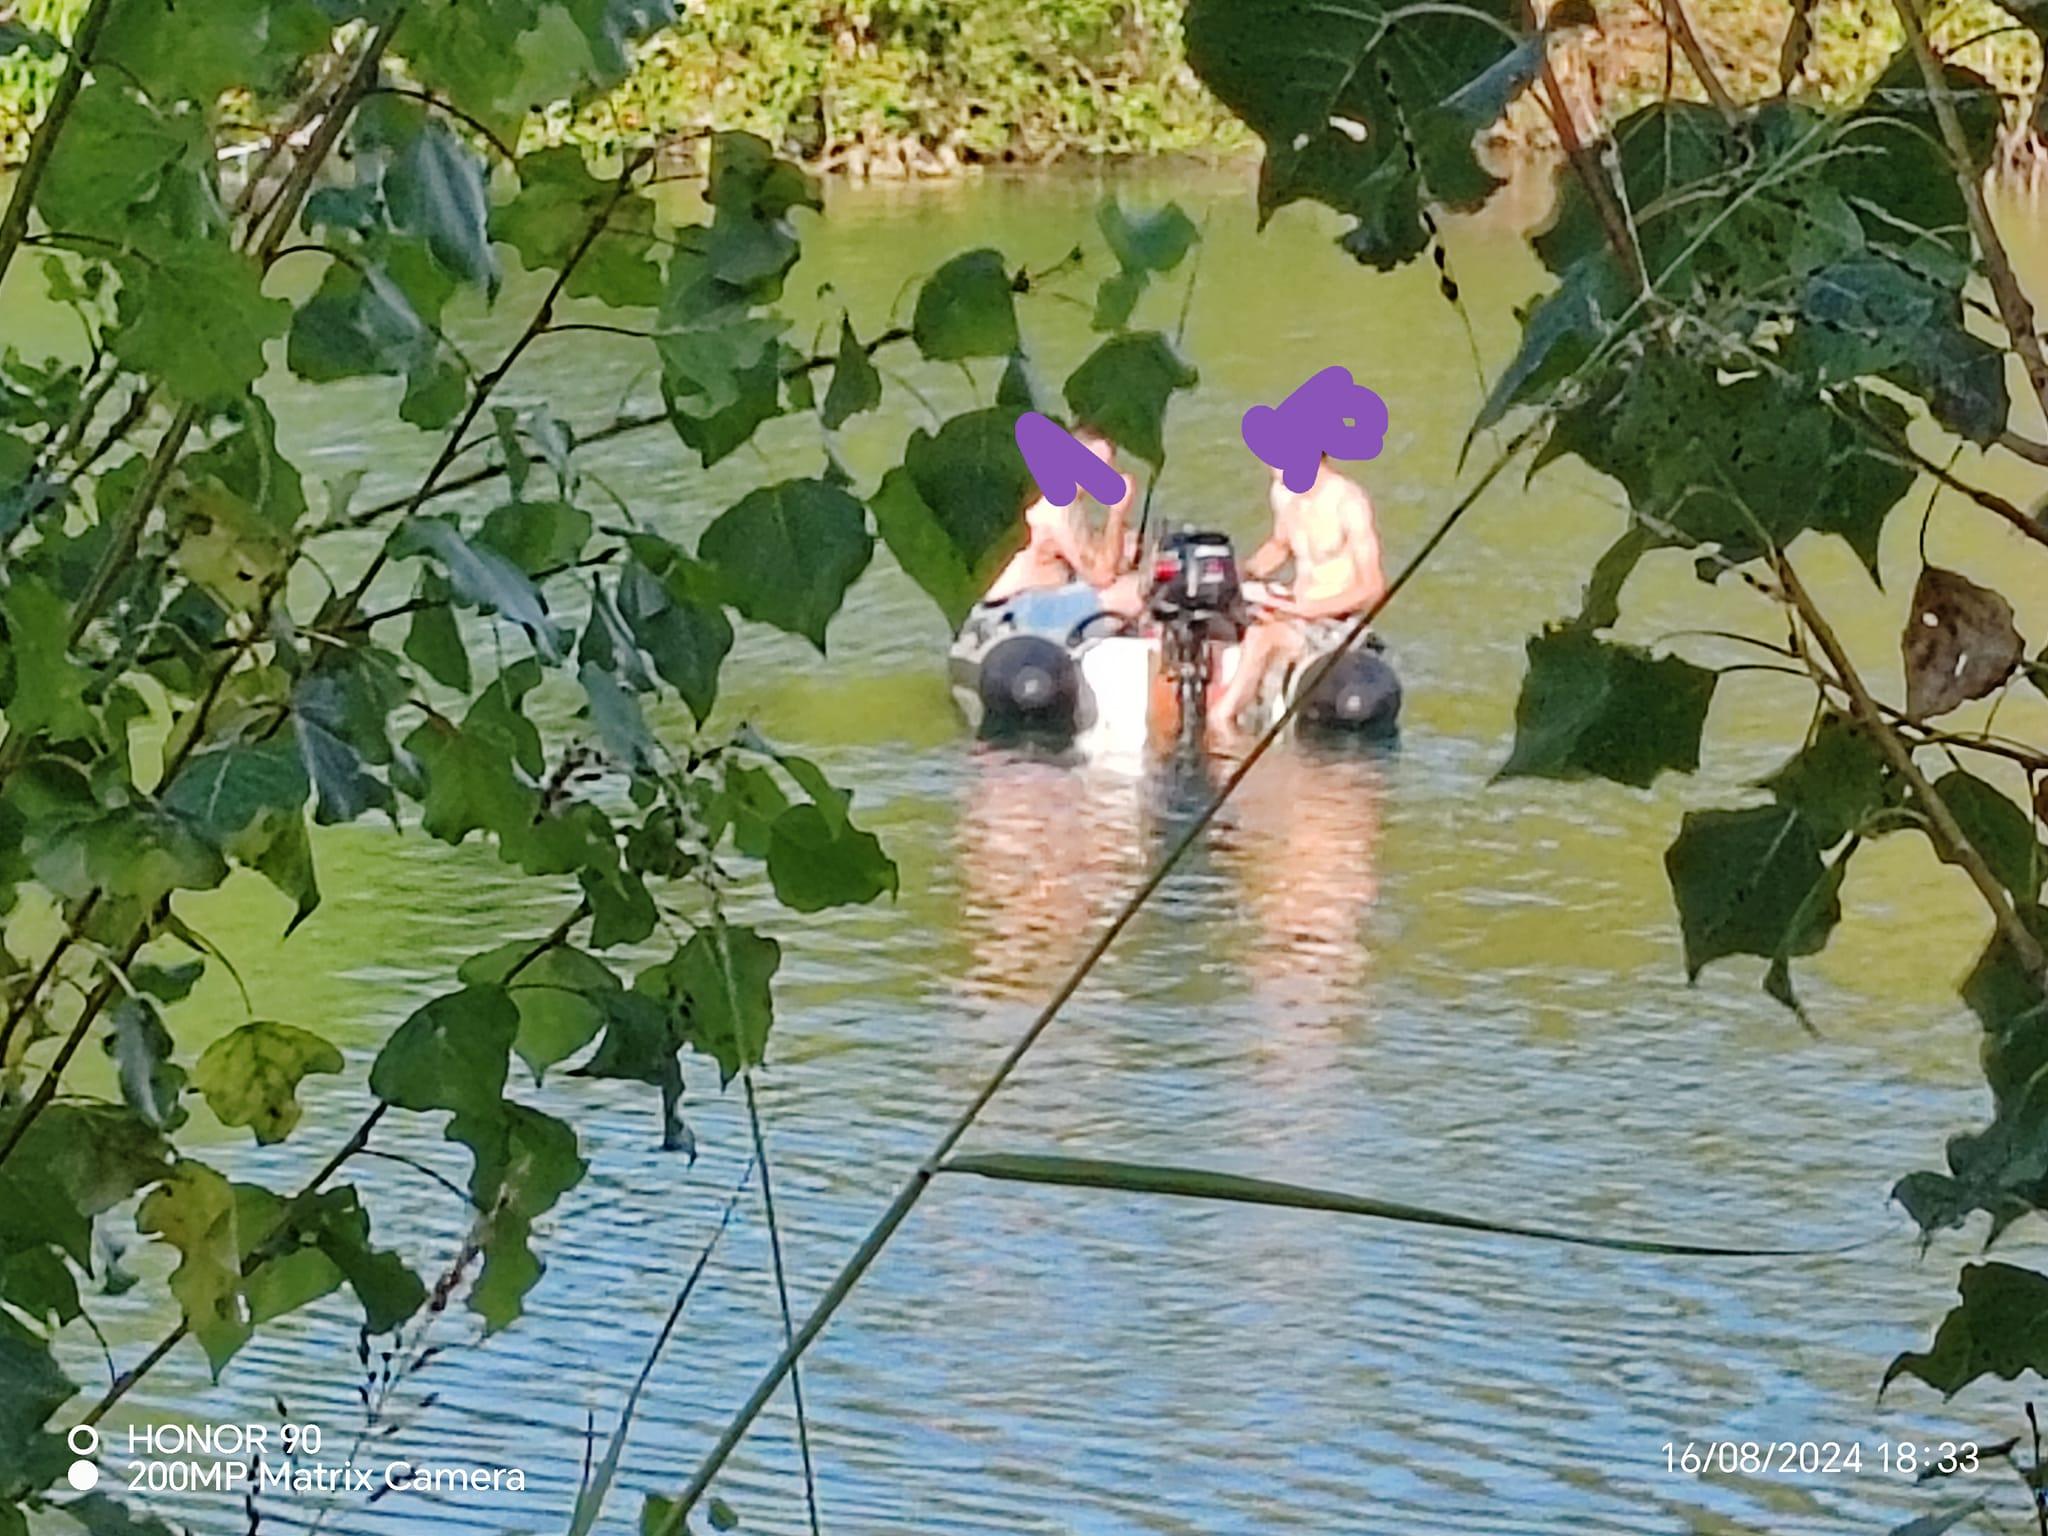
(1382, 974)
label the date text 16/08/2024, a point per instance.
(1822, 1458)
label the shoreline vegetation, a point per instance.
(927, 89)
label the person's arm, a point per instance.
(1110, 557)
(1368, 582)
(1073, 545)
(1264, 561)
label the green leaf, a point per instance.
(525, 1162)
(1559, 333)
(1122, 390)
(14, 37)
(965, 310)
(953, 513)
(499, 60)
(251, 1075)
(786, 554)
(1740, 462)
(1143, 243)
(856, 387)
(641, 1042)
(227, 791)
(433, 639)
(434, 185)
(77, 1161)
(1750, 882)
(339, 715)
(1837, 782)
(46, 692)
(481, 577)
(123, 172)
(563, 997)
(194, 1211)
(1148, 240)
(537, 536)
(719, 981)
(195, 52)
(451, 1054)
(40, 1286)
(1999, 830)
(1994, 1331)
(814, 864)
(389, 1292)
(141, 1047)
(718, 431)
(620, 724)
(674, 616)
(1359, 104)
(194, 318)
(32, 1388)
(549, 225)
(1593, 708)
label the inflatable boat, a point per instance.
(1052, 665)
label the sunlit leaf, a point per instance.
(251, 1075)
(194, 1210)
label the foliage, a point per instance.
(199, 673)
(1748, 307)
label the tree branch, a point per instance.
(1947, 834)
(1679, 25)
(2013, 308)
(27, 181)
(543, 317)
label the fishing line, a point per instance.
(672, 1522)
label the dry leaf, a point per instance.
(1959, 644)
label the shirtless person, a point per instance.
(1327, 532)
(1060, 546)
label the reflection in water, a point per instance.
(1047, 847)
(1302, 839)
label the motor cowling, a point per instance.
(1028, 683)
(1358, 692)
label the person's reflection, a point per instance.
(1304, 831)
(1047, 850)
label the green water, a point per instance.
(1382, 974)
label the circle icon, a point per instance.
(91, 1443)
(83, 1476)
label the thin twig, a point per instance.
(796, 1385)
(1679, 25)
(542, 318)
(481, 129)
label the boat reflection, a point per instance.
(1049, 847)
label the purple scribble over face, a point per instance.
(1064, 466)
(1329, 414)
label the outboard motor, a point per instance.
(1358, 694)
(1029, 685)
